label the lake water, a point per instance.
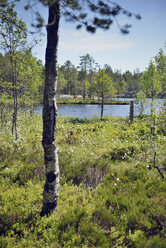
(89, 111)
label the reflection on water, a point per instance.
(89, 111)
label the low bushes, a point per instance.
(111, 195)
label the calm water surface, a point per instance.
(89, 111)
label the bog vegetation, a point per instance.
(112, 187)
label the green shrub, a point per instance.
(110, 195)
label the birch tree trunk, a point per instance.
(51, 188)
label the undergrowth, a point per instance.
(111, 192)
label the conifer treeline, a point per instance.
(81, 80)
(72, 80)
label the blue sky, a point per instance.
(123, 52)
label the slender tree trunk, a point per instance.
(1, 117)
(102, 104)
(84, 92)
(90, 92)
(51, 188)
(15, 103)
(14, 124)
(165, 116)
(151, 105)
(131, 111)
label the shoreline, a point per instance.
(91, 102)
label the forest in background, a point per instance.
(112, 171)
(72, 80)
(22, 75)
(112, 181)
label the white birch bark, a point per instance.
(51, 188)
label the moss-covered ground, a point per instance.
(111, 192)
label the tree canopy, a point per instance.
(91, 14)
(151, 82)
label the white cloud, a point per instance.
(100, 42)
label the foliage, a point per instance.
(110, 193)
(80, 80)
(69, 73)
(13, 34)
(89, 14)
(151, 83)
(20, 72)
(94, 207)
(122, 87)
(29, 76)
(13, 31)
(104, 84)
(71, 79)
(160, 61)
(104, 87)
(140, 102)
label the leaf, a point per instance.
(26, 7)
(90, 29)
(79, 26)
(138, 17)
